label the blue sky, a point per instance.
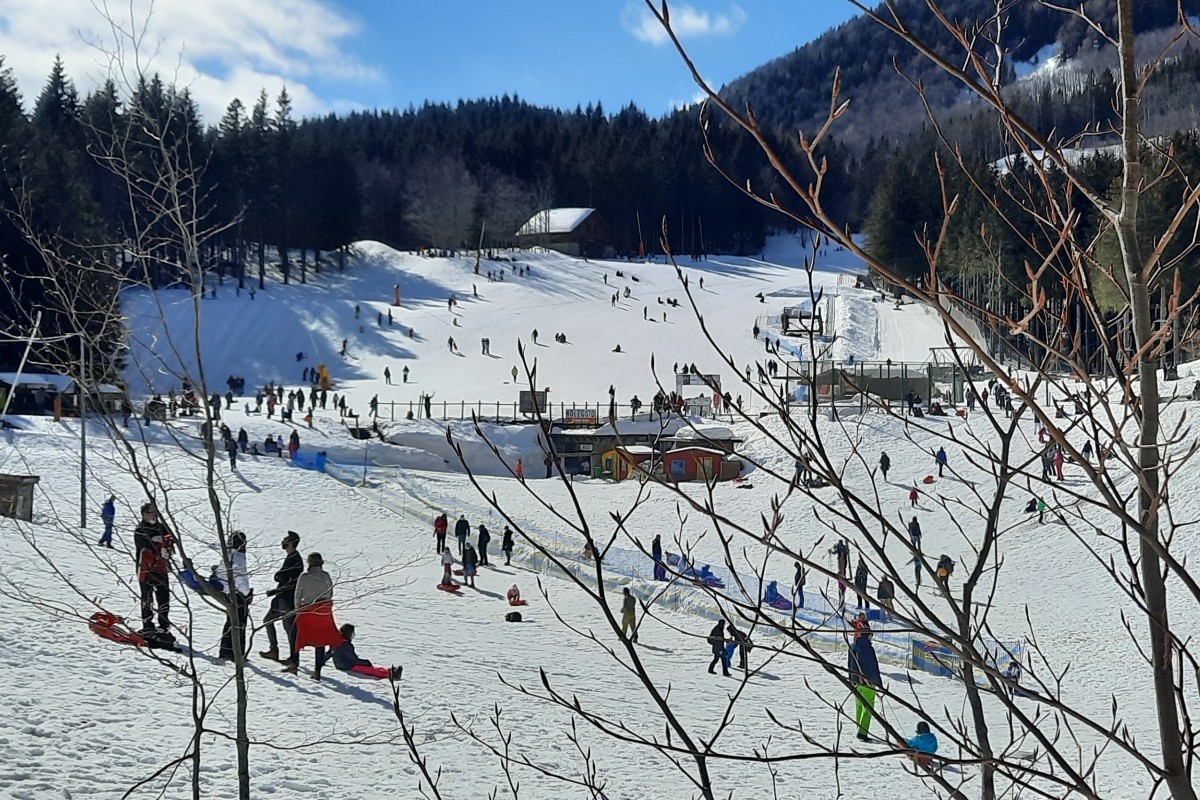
(337, 55)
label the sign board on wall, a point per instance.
(581, 416)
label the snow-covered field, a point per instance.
(83, 717)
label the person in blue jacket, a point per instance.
(108, 513)
(940, 458)
(924, 742)
(863, 667)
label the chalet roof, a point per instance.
(39, 380)
(555, 220)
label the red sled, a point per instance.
(105, 625)
(518, 602)
(449, 587)
(458, 572)
(928, 479)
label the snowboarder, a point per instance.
(346, 659)
(629, 615)
(885, 464)
(863, 666)
(716, 640)
(506, 545)
(470, 562)
(940, 458)
(461, 529)
(484, 539)
(283, 600)
(108, 514)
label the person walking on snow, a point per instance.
(914, 533)
(863, 668)
(439, 531)
(283, 598)
(801, 577)
(860, 584)
(656, 553)
(484, 539)
(461, 529)
(885, 464)
(1058, 462)
(940, 458)
(387, 378)
(374, 405)
(628, 615)
(314, 617)
(404, 374)
(108, 514)
(912, 496)
(520, 470)
(243, 440)
(506, 545)
(716, 640)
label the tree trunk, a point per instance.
(1153, 580)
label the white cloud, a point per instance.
(687, 21)
(218, 49)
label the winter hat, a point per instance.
(922, 727)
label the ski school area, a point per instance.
(366, 508)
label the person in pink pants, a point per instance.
(346, 659)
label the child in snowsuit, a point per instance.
(347, 660)
(447, 566)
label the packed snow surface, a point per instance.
(86, 717)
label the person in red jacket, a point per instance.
(439, 531)
(153, 545)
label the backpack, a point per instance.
(512, 616)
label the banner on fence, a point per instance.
(581, 416)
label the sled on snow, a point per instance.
(449, 587)
(111, 627)
(518, 602)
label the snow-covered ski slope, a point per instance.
(83, 717)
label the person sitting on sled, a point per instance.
(347, 660)
(923, 745)
(514, 595)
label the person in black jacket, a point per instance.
(152, 550)
(656, 552)
(914, 533)
(485, 538)
(716, 640)
(860, 584)
(461, 529)
(506, 545)
(742, 642)
(283, 599)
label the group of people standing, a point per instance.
(471, 555)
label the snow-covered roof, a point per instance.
(637, 450)
(555, 220)
(702, 432)
(39, 380)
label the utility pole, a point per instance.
(82, 435)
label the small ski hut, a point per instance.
(700, 463)
(574, 231)
(623, 462)
(803, 318)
